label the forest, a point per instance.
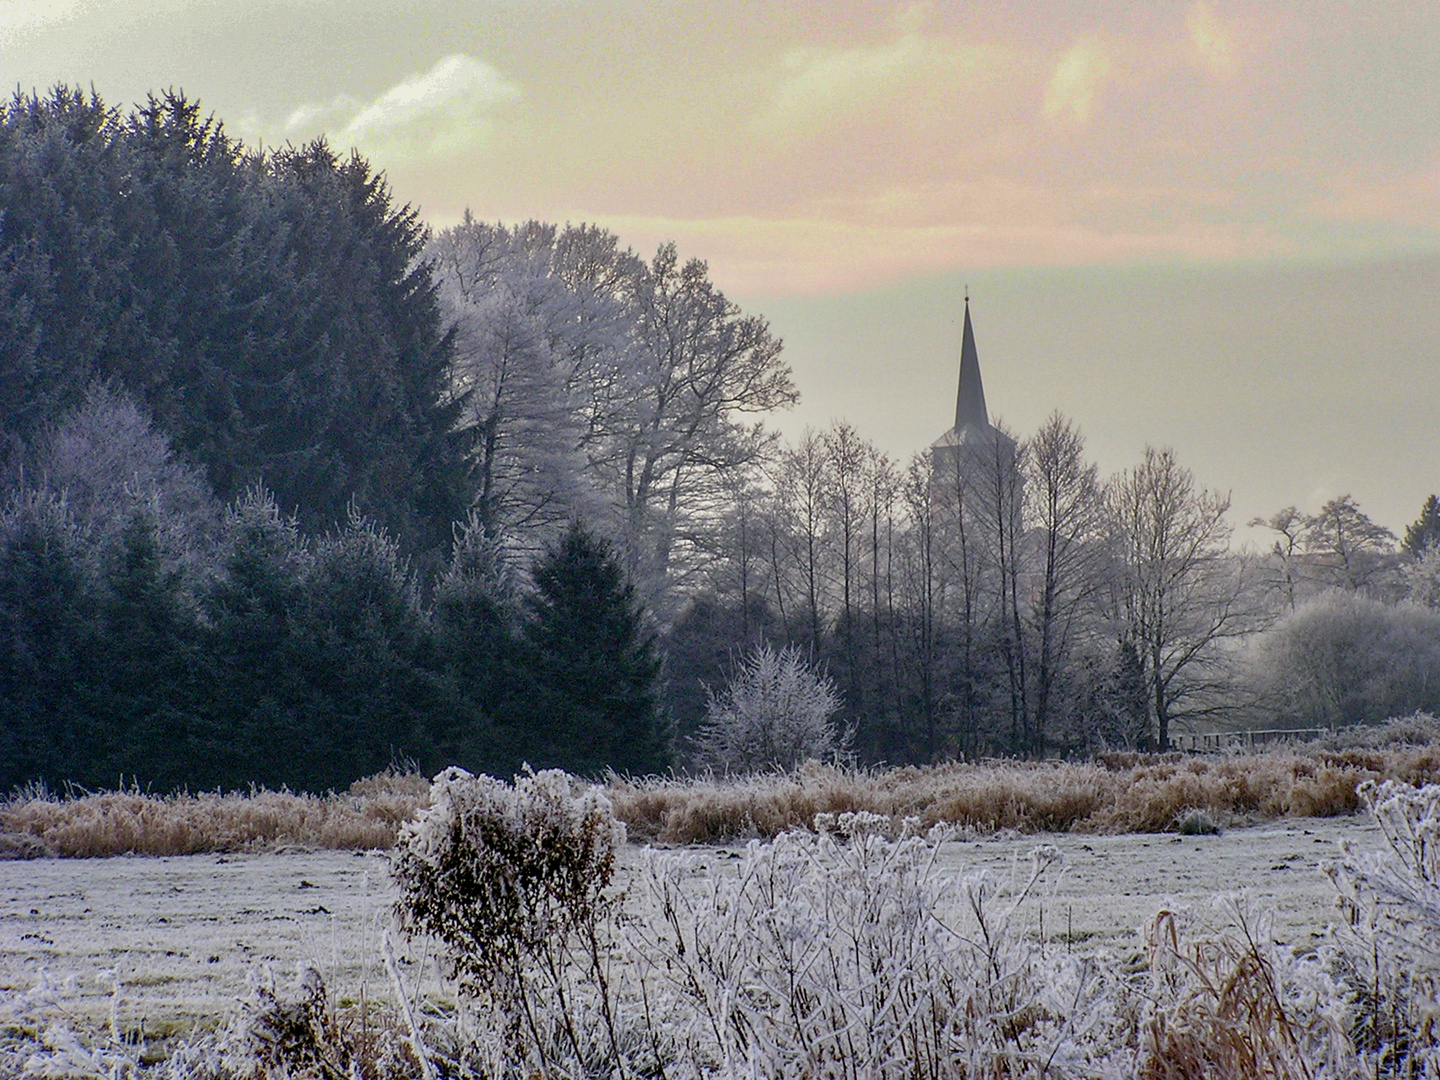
(297, 488)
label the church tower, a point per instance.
(972, 438)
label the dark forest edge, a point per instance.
(295, 489)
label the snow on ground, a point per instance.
(183, 933)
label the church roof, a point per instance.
(972, 422)
(970, 402)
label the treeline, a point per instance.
(296, 489)
(153, 634)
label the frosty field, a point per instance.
(182, 933)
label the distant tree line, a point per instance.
(296, 489)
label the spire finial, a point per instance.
(967, 295)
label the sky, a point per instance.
(1210, 225)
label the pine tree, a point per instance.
(1424, 533)
(593, 664)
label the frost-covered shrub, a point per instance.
(513, 882)
(1391, 900)
(841, 953)
(774, 713)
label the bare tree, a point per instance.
(924, 590)
(671, 421)
(1287, 552)
(1067, 508)
(1348, 551)
(846, 455)
(1184, 595)
(803, 484)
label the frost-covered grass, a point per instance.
(1120, 793)
(1117, 794)
(91, 825)
(537, 948)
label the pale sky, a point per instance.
(1211, 225)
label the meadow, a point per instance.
(1161, 917)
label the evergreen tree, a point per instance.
(593, 664)
(362, 644)
(272, 311)
(147, 668)
(477, 622)
(48, 633)
(254, 714)
(1425, 532)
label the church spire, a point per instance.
(970, 402)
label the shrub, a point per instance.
(1392, 902)
(513, 882)
(774, 713)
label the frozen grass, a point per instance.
(85, 825)
(1117, 794)
(1121, 793)
(850, 951)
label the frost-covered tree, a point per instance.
(524, 342)
(1343, 659)
(1347, 550)
(1183, 594)
(110, 462)
(774, 713)
(1066, 507)
(674, 421)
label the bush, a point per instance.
(513, 882)
(1392, 902)
(773, 714)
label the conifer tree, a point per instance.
(1425, 532)
(593, 663)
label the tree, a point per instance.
(1067, 508)
(803, 491)
(592, 662)
(1345, 659)
(524, 340)
(1183, 595)
(49, 634)
(1424, 533)
(477, 622)
(1347, 549)
(670, 423)
(257, 679)
(774, 713)
(363, 643)
(1290, 524)
(270, 311)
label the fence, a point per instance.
(1216, 741)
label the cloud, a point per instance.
(17, 17)
(439, 112)
(1409, 198)
(816, 84)
(1212, 42)
(1078, 77)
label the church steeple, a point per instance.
(970, 402)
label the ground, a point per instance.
(183, 934)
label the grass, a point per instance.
(1114, 794)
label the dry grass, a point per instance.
(1126, 793)
(1116, 794)
(135, 823)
